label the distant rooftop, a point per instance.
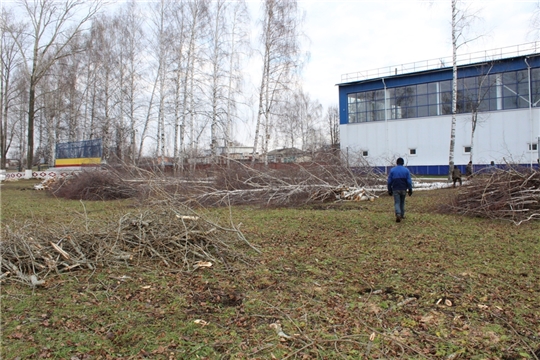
(479, 56)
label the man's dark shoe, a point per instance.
(398, 218)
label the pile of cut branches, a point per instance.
(92, 185)
(236, 184)
(177, 238)
(512, 194)
(291, 184)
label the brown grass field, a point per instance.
(340, 280)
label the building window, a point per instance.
(535, 85)
(533, 147)
(412, 151)
(365, 153)
(486, 92)
(366, 106)
(515, 89)
(467, 149)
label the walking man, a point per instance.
(399, 184)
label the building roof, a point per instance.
(445, 62)
(441, 74)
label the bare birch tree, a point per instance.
(310, 121)
(11, 83)
(161, 43)
(102, 82)
(227, 38)
(54, 25)
(239, 45)
(281, 60)
(461, 21)
(454, 88)
(194, 24)
(474, 100)
(60, 102)
(131, 64)
(217, 57)
(179, 32)
(332, 120)
(299, 120)
(535, 22)
(49, 119)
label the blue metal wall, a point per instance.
(443, 170)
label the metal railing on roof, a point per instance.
(471, 58)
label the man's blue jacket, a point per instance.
(399, 179)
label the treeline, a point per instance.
(159, 79)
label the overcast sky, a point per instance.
(353, 35)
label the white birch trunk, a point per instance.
(454, 90)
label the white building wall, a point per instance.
(500, 136)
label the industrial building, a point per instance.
(406, 111)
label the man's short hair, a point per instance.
(400, 161)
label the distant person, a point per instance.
(399, 184)
(456, 176)
(468, 170)
(492, 167)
